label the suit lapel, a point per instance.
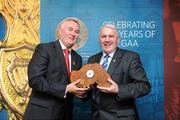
(60, 57)
(115, 61)
(98, 58)
(73, 60)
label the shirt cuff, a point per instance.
(65, 93)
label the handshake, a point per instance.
(91, 74)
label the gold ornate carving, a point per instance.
(22, 35)
(17, 73)
(14, 85)
(22, 17)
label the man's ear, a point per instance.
(118, 40)
(59, 31)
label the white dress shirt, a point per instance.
(109, 59)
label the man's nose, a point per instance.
(73, 33)
(107, 38)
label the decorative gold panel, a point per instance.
(23, 20)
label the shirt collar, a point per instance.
(110, 54)
(63, 46)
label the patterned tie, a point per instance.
(105, 62)
(104, 65)
(66, 56)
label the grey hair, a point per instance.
(111, 26)
(62, 22)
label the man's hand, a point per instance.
(79, 92)
(112, 89)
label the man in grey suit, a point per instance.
(128, 79)
(48, 75)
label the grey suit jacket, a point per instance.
(48, 78)
(127, 71)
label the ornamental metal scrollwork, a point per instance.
(22, 19)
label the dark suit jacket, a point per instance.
(127, 71)
(48, 79)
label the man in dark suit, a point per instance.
(48, 74)
(128, 79)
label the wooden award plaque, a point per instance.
(91, 74)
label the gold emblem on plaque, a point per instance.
(14, 80)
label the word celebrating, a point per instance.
(133, 24)
(132, 32)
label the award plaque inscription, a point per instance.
(91, 74)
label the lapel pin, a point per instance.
(74, 63)
(114, 60)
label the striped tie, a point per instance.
(105, 62)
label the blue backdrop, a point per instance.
(140, 27)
